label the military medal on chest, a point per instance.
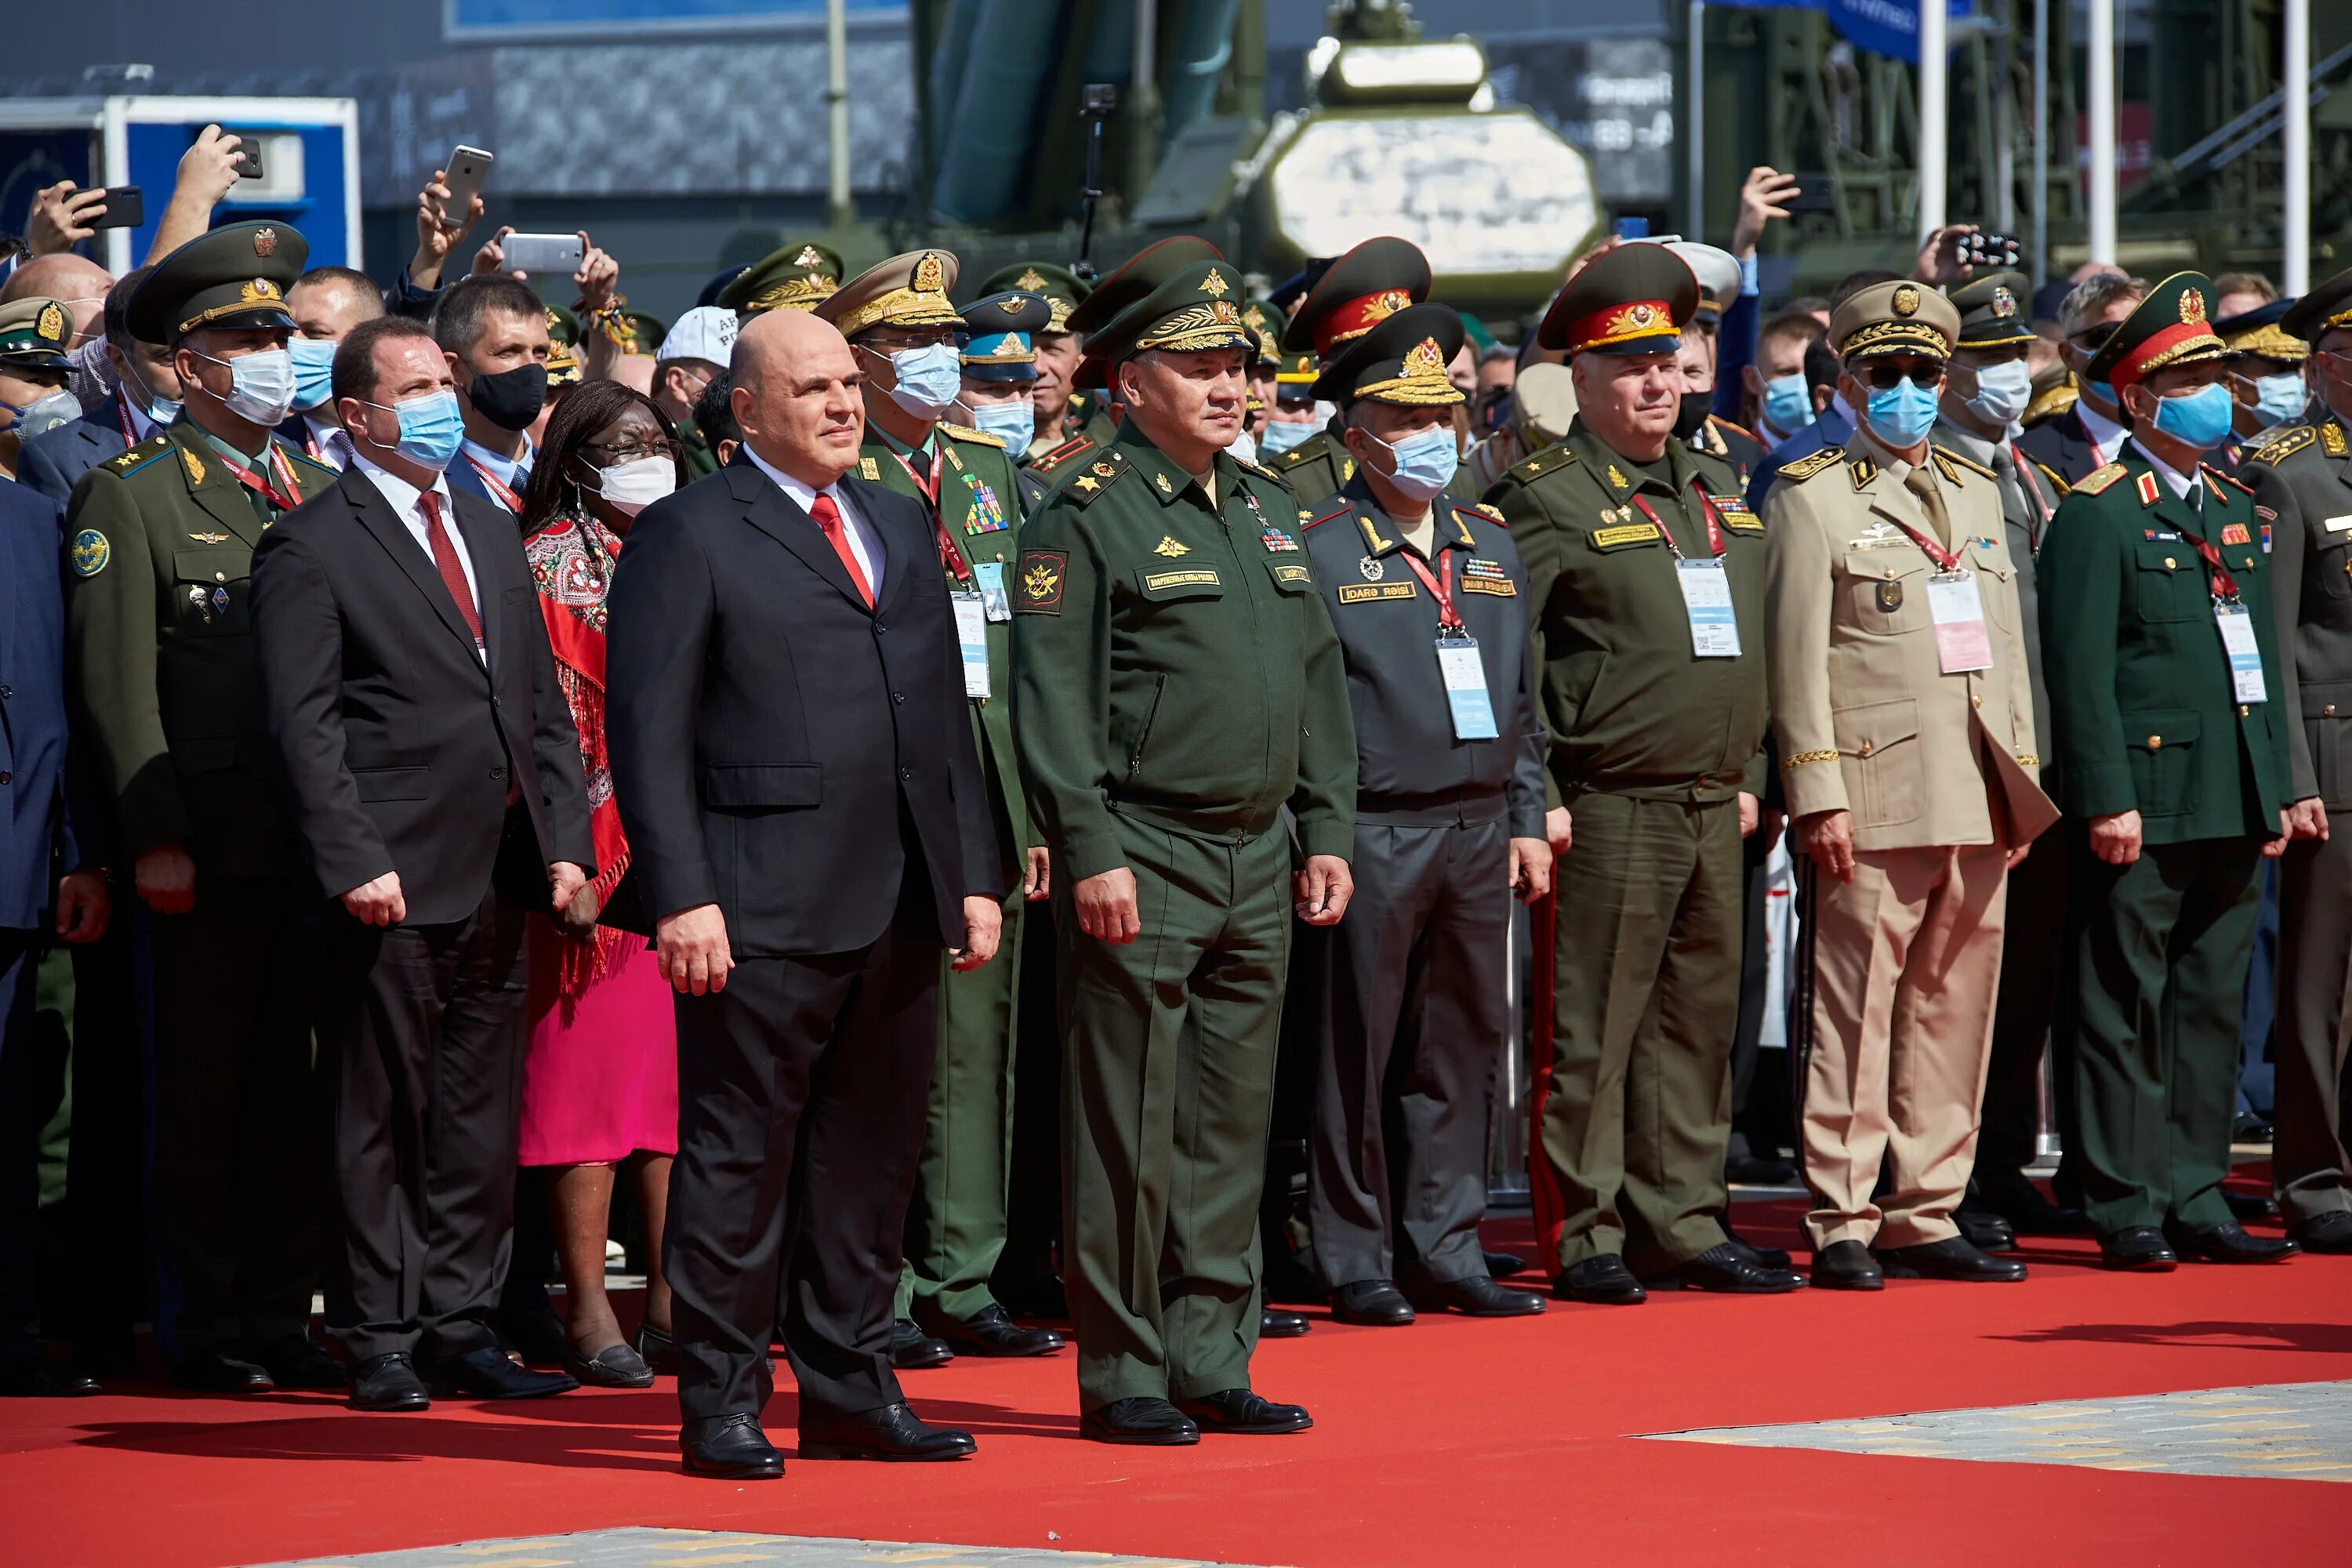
(1372, 567)
(987, 513)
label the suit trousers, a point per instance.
(1903, 964)
(20, 1135)
(1412, 1023)
(106, 1163)
(2025, 1012)
(424, 1041)
(2162, 971)
(2310, 1167)
(801, 1096)
(238, 1157)
(1632, 1113)
(1168, 1085)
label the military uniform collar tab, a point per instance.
(1154, 469)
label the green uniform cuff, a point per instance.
(1328, 835)
(1088, 855)
(2099, 791)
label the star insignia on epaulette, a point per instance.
(1088, 482)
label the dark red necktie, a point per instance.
(445, 559)
(828, 520)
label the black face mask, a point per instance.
(510, 399)
(1691, 417)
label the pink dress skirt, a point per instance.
(600, 1069)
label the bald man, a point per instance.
(80, 285)
(784, 698)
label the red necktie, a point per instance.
(445, 558)
(828, 518)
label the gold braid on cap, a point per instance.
(2272, 341)
(923, 303)
(2189, 350)
(796, 294)
(2341, 319)
(1198, 328)
(1419, 382)
(1891, 337)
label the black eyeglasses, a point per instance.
(1887, 377)
(631, 448)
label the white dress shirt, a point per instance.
(403, 496)
(512, 472)
(2106, 435)
(864, 543)
(332, 441)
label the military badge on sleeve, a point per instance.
(1039, 590)
(90, 552)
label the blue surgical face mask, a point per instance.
(261, 385)
(1282, 435)
(1902, 415)
(1788, 403)
(2104, 393)
(2002, 393)
(1015, 423)
(2200, 418)
(430, 428)
(314, 367)
(2280, 399)
(1425, 462)
(45, 412)
(928, 379)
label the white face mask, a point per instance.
(2002, 392)
(630, 486)
(1243, 447)
(261, 385)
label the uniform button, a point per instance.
(220, 576)
(906, 772)
(2329, 711)
(6, 775)
(880, 628)
(2167, 564)
(898, 697)
(2155, 742)
(1976, 701)
(2244, 711)
(1865, 749)
(8, 691)
(497, 772)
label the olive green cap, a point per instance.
(1193, 312)
(1992, 310)
(1139, 275)
(797, 275)
(232, 278)
(1058, 286)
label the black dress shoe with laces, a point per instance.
(1603, 1280)
(2227, 1243)
(893, 1432)
(387, 1383)
(1143, 1421)
(1240, 1411)
(1476, 1296)
(1273, 1323)
(1723, 1268)
(657, 1349)
(991, 1331)
(728, 1449)
(2329, 1232)
(1376, 1303)
(1762, 1256)
(912, 1350)
(2137, 1248)
(489, 1374)
(1847, 1265)
(1954, 1257)
(297, 1361)
(221, 1371)
(1983, 1229)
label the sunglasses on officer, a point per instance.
(1886, 375)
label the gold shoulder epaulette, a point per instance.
(2285, 444)
(147, 451)
(1311, 447)
(1971, 464)
(303, 459)
(2098, 479)
(979, 437)
(1804, 469)
(2233, 480)
(1095, 478)
(2331, 438)
(1261, 471)
(1549, 460)
(1491, 514)
(2055, 477)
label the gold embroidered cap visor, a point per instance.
(233, 279)
(1630, 298)
(909, 290)
(1193, 312)
(796, 276)
(34, 332)
(1358, 292)
(2328, 308)
(1899, 317)
(2169, 327)
(1401, 360)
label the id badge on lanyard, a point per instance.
(993, 598)
(1707, 600)
(2245, 654)
(971, 635)
(1465, 686)
(1962, 644)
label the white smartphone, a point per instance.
(467, 168)
(557, 253)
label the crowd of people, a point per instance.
(1009, 814)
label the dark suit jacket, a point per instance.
(770, 735)
(2063, 448)
(33, 732)
(394, 740)
(1829, 429)
(54, 459)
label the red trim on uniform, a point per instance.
(1342, 510)
(2128, 368)
(1543, 1187)
(1622, 322)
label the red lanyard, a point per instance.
(1707, 509)
(931, 492)
(949, 556)
(2033, 487)
(122, 418)
(1945, 560)
(506, 497)
(254, 482)
(1440, 582)
(311, 442)
(2225, 587)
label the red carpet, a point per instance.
(1450, 1442)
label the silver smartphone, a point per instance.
(557, 253)
(468, 167)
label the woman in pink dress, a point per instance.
(600, 1073)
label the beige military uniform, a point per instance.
(1939, 772)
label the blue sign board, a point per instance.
(479, 19)
(1889, 28)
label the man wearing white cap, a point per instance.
(698, 351)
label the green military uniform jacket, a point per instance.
(1173, 662)
(1320, 467)
(159, 648)
(2142, 710)
(979, 507)
(1630, 708)
(2303, 507)
(700, 460)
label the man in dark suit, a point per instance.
(435, 786)
(784, 703)
(145, 397)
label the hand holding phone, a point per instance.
(125, 208)
(556, 253)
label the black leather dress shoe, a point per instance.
(991, 1331)
(1722, 1268)
(2139, 1248)
(297, 1361)
(1954, 1257)
(2248, 1127)
(1476, 1296)
(2227, 1243)
(893, 1432)
(912, 1350)
(486, 1374)
(1603, 1280)
(1240, 1411)
(1375, 1303)
(1762, 1256)
(2021, 1202)
(387, 1383)
(2329, 1232)
(614, 1366)
(222, 1372)
(657, 1349)
(1983, 1229)
(29, 1372)
(728, 1449)
(1145, 1422)
(1502, 1265)
(1847, 1265)
(1273, 1323)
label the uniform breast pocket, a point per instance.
(1878, 748)
(209, 592)
(2331, 563)
(2162, 744)
(2169, 581)
(1996, 582)
(2327, 728)
(1885, 591)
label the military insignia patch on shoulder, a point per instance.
(1492, 513)
(1066, 450)
(2097, 481)
(90, 552)
(1804, 469)
(1039, 590)
(147, 451)
(1548, 460)
(2285, 444)
(1097, 477)
(2149, 489)
(1948, 461)
(2331, 440)
(979, 437)
(1339, 507)
(2233, 480)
